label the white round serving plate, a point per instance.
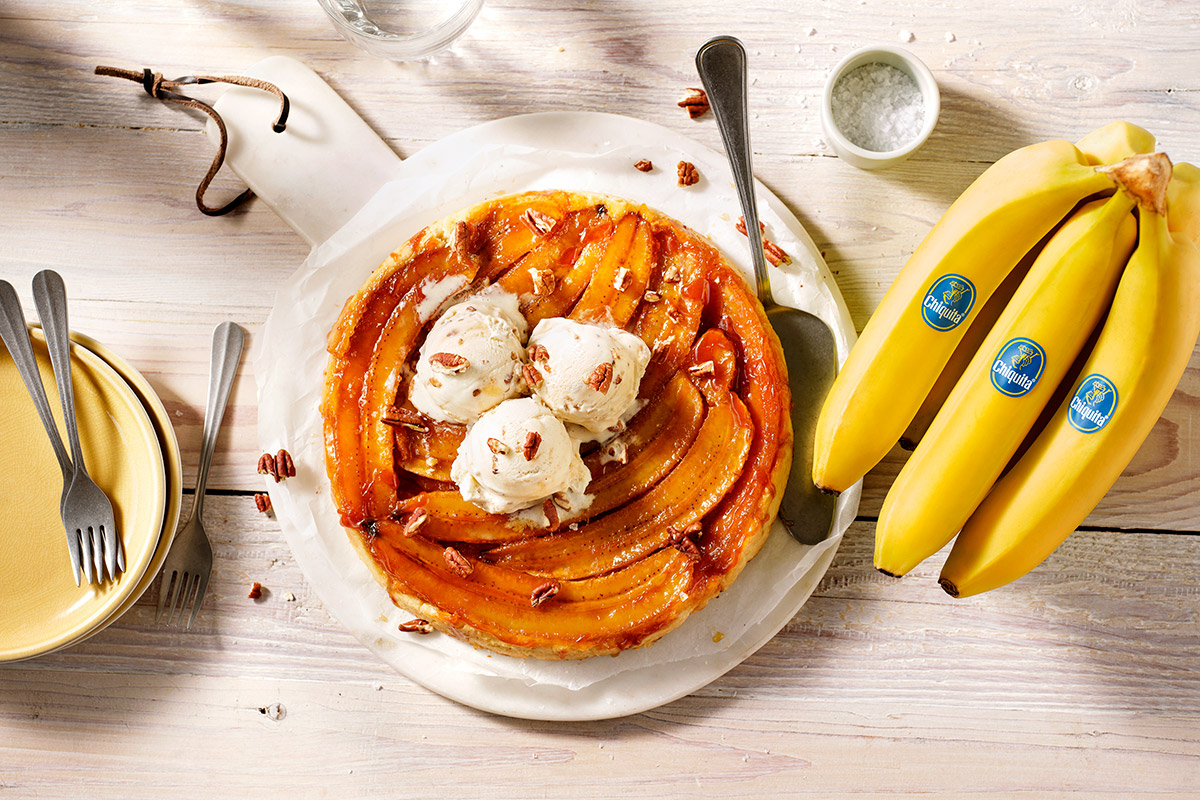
(573, 151)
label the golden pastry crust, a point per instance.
(683, 497)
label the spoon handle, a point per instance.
(721, 62)
(50, 297)
(226, 353)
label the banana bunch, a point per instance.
(1025, 351)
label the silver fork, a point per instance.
(16, 339)
(86, 509)
(189, 564)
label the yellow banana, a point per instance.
(951, 274)
(1115, 142)
(1106, 145)
(1183, 201)
(1006, 385)
(1143, 349)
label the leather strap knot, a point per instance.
(164, 90)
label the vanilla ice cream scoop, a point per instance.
(470, 361)
(515, 456)
(585, 374)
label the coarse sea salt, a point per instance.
(878, 107)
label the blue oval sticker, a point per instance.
(948, 302)
(1018, 367)
(1093, 405)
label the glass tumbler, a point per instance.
(402, 30)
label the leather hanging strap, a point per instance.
(165, 90)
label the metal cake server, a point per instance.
(808, 345)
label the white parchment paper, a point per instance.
(290, 358)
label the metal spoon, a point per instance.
(808, 346)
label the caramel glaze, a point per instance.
(621, 581)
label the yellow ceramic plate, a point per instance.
(172, 461)
(43, 608)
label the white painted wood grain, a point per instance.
(1079, 680)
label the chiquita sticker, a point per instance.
(1018, 367)
(948, 302)
(1093, 405)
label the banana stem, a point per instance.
(1144, 178)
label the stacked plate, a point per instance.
(130, 451)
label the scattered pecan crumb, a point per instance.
(457, 562)
(256, 591)
(284, 466)
(538, 352)
(498, 447)
(262, 502)
(652, 297)
(622, 279)
(696, 102)
(551, 512)
(539, 222)
(417, 625)
(449, 363)
(531, 375)
(702, 369)
(645, 165)
(601, 378)
(533, 440)
(543, 593)
(620, 452)
(688, 176)
(543, 281)
(415, 522)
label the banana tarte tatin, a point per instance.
(680, 497)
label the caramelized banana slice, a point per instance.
(450, 518)
(596, 245)
(596, 302)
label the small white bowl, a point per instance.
(902, 60)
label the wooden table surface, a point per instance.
(1081, 679)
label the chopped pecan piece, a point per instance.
(620, 452)
(543, 593)
(531, 375)
(652, 297)
(672, 274)
(256, 591)
(449, 363)
(533, 440)
(262, 502)
(543, 281)
(774, 253)
(467, 239)
(622, 279)
(538, 352)
(404, 418)
(688, 176)
(457, 563)
(416, 520)
(696, 102)
(601, 378)
(539, 222)
(645, 165)
(702, 369)
(551, 512)
(559, 499)
(498, 447)
(684, 540)
(416, 625)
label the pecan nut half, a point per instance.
(539, 222)
(543, 593)
(531, 375)
(686, 171)
(457, 563)
(416, 520)
(601, 378)
(449, 363)
(262, 502)
(266, 466)
(284, 466)
(256, 591)
(538, 352)
(533, 440)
